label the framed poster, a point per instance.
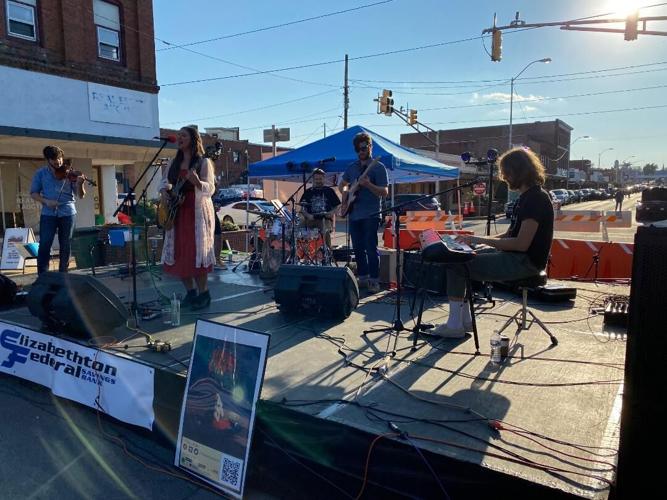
(217, 416)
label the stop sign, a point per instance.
(479, 189)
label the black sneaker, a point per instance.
(189, 299)
(202, 301)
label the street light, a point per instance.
(623, 163)
(546, 60)
(567, 179)
(600, 159)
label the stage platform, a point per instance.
(326, 406)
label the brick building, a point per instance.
(549, 140)
(237, 154)
(79, 74)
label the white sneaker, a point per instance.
(447, 332)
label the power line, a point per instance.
(275, 26)
(495, 80)
(251, 110)
(541, 99)
(324, 63)
(558, 115)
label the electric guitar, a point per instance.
(352, 193)
(171, 201)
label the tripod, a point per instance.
(397, 326)
(134, 308)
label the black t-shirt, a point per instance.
(535, 204)
(320, 199)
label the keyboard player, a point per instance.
(520, 252)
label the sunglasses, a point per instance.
(363, 147)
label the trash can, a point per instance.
(87, 248)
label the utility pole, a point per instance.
(346, 96)
(325, 129)
(273, 141)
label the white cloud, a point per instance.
(502, 97)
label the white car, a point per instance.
(235, 212)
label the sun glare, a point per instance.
(622, 8)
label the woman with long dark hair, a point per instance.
(188, 245)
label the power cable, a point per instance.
(272, 27)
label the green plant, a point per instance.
(229, 226)
(148, 213)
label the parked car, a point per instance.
(256, 191)
(561, 195)
(235, 212)
(574, 196)
(509, 206)
(653, 206)
(427, 204)
(225, 196)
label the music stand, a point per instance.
(397, 326)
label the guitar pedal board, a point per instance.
(616, 310)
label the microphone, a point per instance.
(169, 138)
(328, 160)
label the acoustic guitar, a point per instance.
(353, 192)
(171, 201)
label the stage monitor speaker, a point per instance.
(76, 305)
(645, 386)
(331, 290)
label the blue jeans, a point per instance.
(48, 226)
(364, 234)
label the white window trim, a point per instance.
(34, 18)
(99, 42)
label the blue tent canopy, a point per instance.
(403, 165)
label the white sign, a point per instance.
(123, 388)
(218, 413)
(11, 258)
(116, 105)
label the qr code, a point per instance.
(230, 472)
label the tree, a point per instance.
(650, 168)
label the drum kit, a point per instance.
(277, 240)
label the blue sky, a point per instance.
(454, 73)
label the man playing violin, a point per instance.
(54, 187)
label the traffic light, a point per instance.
(412, 117)
(496, 45)
(631, 26)
(386, 103)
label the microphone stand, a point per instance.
(134, 309)
(292, 199)
(397, 326)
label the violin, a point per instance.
(67, 172)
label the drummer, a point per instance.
(318, 204)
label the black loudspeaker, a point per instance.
(431, 276)
(331, 290)
(644, 390)
(75, 305)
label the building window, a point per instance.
(107, 22)
(21, 19)
(236, 156)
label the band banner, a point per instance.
(118, 387)
(218, 413)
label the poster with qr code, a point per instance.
(218, 412)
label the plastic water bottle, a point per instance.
(175, 310)
(495, 344)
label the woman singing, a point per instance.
(188, 245)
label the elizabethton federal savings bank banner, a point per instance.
(125, 388)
